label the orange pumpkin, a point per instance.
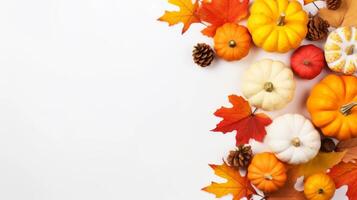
(332, 105)
(319, 187)
(232, 42)
(266, 172)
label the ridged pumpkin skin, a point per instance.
(268, 84)
(266, 172)
(319, 187)
(232, 42)
(293, 139)
(325, 102)
(341, 50)
(277, 25)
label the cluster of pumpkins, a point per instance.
(292, 138)
(280, 28)
(270, 85)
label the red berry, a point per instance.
(308, 61)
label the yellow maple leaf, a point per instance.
(321, 163)
(236, 184)
(186, 15)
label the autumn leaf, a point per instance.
(219, 12)
(346, 174)
(287, 192)
(321, 163)
(309, 1)
(346, 144)
(186, 15)
(240, 118)
(236, 185)
(346, 15)
(350, 146)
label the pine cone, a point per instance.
(327, 145)
(333, 4)
(203, 54)
(241, 157)
(317, 28)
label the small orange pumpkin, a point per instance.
(332, 105)
(232, 42)
(319, 187)
(266, 172)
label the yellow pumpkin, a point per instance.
(319, 187)
(232, 42)
(277, 25)
(266, 172)
(332, 105)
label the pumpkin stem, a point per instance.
(268, 177)
(281, 20)
(320, 191)
(306, 62)
(296, 142)
(350, 49)
(232, 44)
(346, 109)
(268, 86)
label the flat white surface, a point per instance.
(98, 100)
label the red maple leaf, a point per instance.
(219, 12)
(241, 118)
(346, 174)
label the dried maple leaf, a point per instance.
(241, 118)
(346, 174)
(236, 184)
(321, 163)
(219, 12)
(287, 192)
(350, 146)
(346, 15)
(187, 14)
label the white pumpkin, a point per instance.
(293, 139)
(268, 85)
(341, 50)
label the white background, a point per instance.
(98, 100)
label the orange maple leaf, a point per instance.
(241, 118)
(346, 174)
(236, 185)
(219, 12)
(186, 15)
